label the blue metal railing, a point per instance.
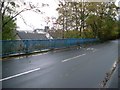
(10, 47)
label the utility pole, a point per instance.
(118, 11)
(63, 24)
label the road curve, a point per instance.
(83, 67)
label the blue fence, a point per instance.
(10, 47)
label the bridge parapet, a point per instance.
(10, 47)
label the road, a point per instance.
(83, 67)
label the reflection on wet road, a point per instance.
(74, 68)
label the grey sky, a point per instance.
(36, 20)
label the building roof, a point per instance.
(32, 36)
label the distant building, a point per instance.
(37, 34)
(38, 30)
(46, 28)
(33, 35)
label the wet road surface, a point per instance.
(83, 67)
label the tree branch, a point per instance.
(14, 17)
(2, 5)
(4, 11)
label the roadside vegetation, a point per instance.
(9, 12)
(88, 20)
(76, 20)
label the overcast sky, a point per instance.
(36, 20)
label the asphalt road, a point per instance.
(83, 67)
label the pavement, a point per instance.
(83, 67)
(113, 82)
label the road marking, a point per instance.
(94, 50)
(73, 58)
(90, 48)
(20, 74)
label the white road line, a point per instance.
(20, 74)
(73, 58)
(94, 51)
(88, 48)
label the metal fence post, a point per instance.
(26, 46)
